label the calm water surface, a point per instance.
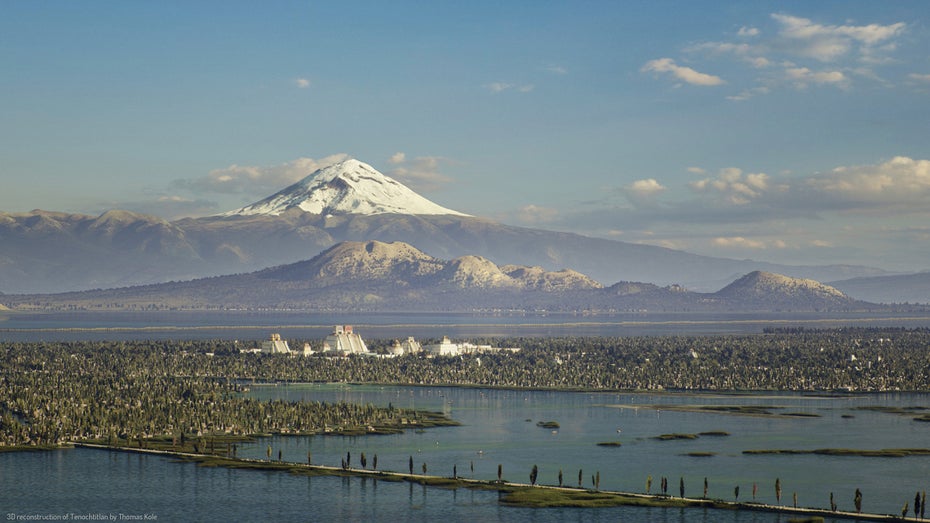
(106, 485)
(251, 325)
(499, 427)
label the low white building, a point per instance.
(447, 348)
(443, 348)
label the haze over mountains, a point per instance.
(350, 201)
(376, 276)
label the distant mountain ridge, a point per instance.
(44, 251)
(898, 288)
(377, 276)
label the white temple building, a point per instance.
(275, 345)
(408, 346)
(344, 342)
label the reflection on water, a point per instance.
(101, 485)
(500, 427)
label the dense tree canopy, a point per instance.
(55, 392)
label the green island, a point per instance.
(880, 453)
(670, 437)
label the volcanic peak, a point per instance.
(347, 187)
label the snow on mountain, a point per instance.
(348, 187)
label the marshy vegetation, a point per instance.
(193, 389)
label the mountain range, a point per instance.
(377, 276)
(51, 252)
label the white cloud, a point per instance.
(302, 83)
(257, 180)
(420, 174)
(641, 189)
(746, 94)
(750, 54)
(556, 69)
(733, 186)
(643, 193)
(759, 62)
(919, 77)
(830, 42)
(685, 74)
(901, 182)
(499, 87)
(739, 242)
(696, 170)
(536, 215)
(800, 47)
(801, 77)
(167, 206)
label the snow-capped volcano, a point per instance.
(348, 187)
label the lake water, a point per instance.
(252, 325)
(499, 427)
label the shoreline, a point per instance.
(513, 493)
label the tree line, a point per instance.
(118, 393)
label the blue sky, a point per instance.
(795, 132)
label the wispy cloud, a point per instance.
(802, 77)
(167, 206)
(256, 180)
(747, 94)
(896, 186)
(302, 83)
(735, 212)
(499, 87)
(739, 241)
(828, 43)
(422, 173)
(536, 215)
(685, 74)
(797, 53)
